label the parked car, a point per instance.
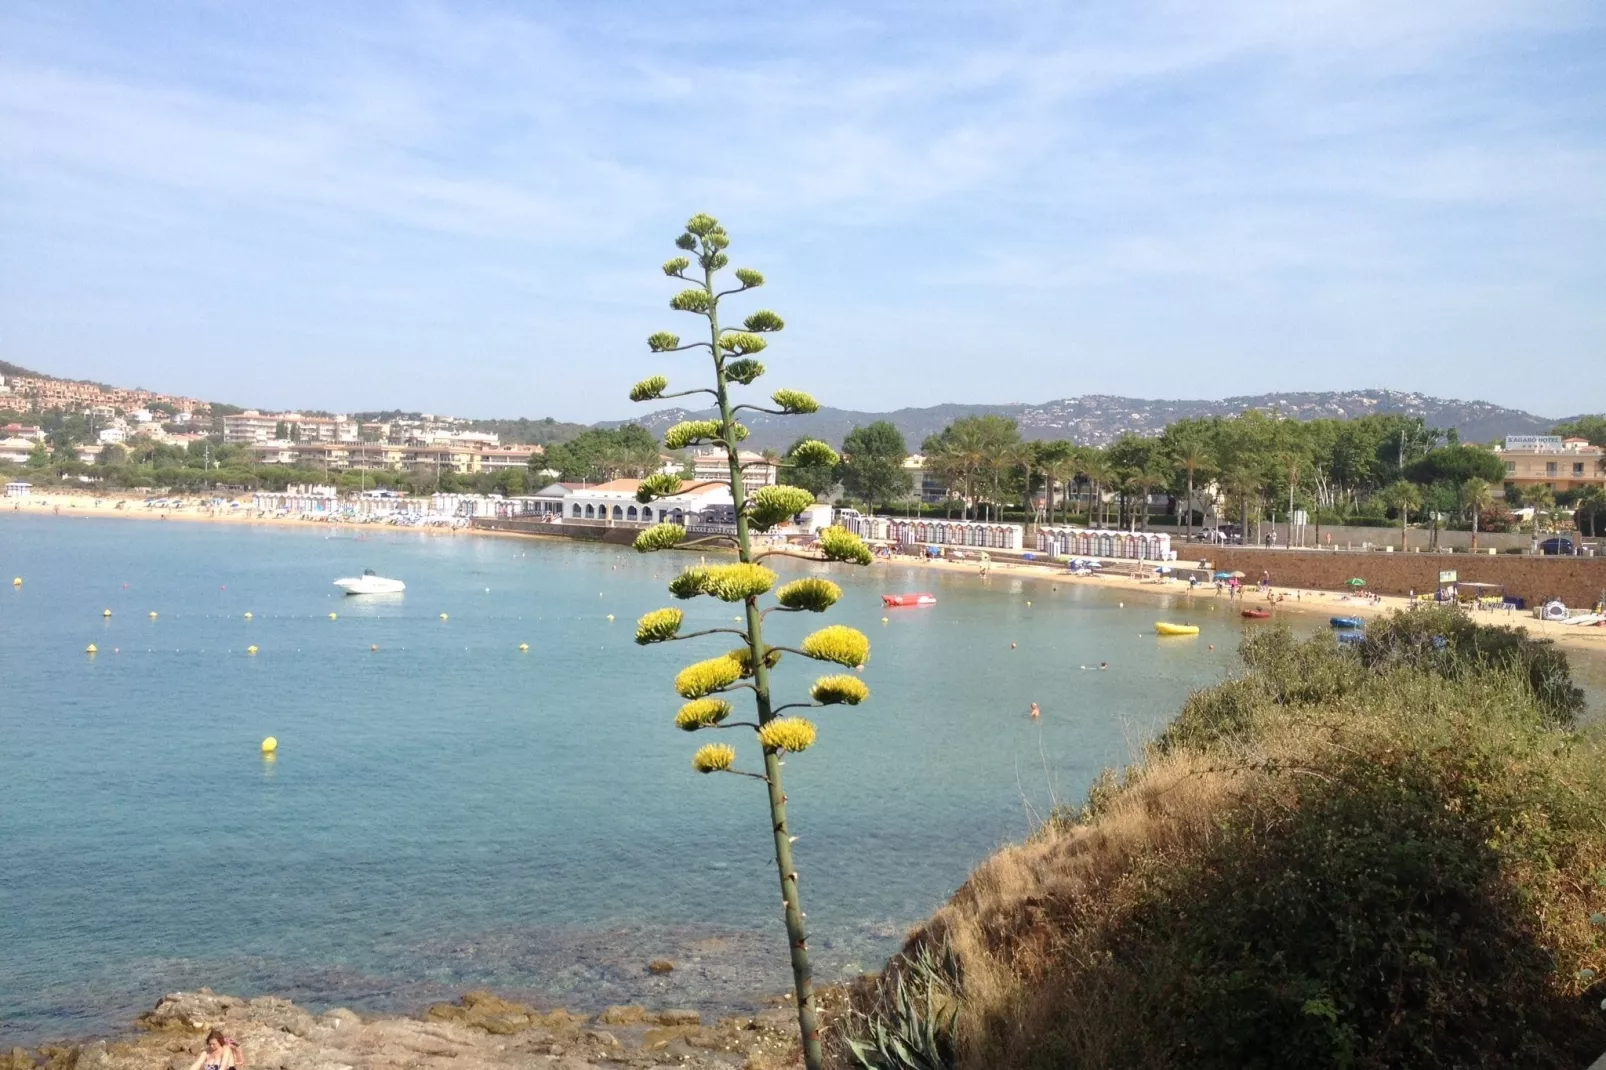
(1560, 545)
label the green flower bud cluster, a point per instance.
(749, 278)
(811, 593)
(690, 432)
(714, 758)
(741, 344)
(657, 485)
(737, 582)
(838, 643)
(777, 504)
(702, 713)
(763, 321)
(662, 340)
(840, 544)
(676, 266)
(705, 677)
(795, 402)
(649, 389)
(659, 537)
(743, 371)
(814, 454)
(689, 584)
(659, 626)
(841, 690)
(695, 299)
(787, 733)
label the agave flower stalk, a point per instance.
(706, 683)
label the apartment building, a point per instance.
(714, 465)
(252, 427)
(380, 456)
(1559, 463)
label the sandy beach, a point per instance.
(1281, 600)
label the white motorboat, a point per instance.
(369, 583)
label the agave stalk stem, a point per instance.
(796, 935)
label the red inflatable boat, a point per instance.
(1257, 614)
(908, 599)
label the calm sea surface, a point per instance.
(448, 812)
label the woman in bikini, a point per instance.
(217, 1055)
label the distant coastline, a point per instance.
(1305, 602)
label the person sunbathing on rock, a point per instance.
(217, 1055)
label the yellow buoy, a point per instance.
(105, 612)
(883, 620)
(610, 616)
(270, 745)
(332, 616)
(91, 649)
(444, 617)
(1028, 603)
(248, 616)
(17, 582)
(375, 647)
(251, 650)
(524, 647)
(153, 614)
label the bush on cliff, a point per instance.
(1338, 859)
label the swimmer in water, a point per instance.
(1104, 665)
(1036, 713)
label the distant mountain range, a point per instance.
(1098, 419)
(1092, 420)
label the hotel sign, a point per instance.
(1533, 442)
(1447, 576)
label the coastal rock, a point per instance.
(481, 1031)
(660, 966)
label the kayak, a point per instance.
(1257, 614)
(909, 599)
(1347, 622)
(1166, 628)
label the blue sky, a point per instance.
(461, 206)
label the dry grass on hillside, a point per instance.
(1399, 874)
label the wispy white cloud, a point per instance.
(493, 162)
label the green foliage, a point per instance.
(774, 505)
(872, 463)
(1590, 427)
(598, 454)
(1456, 464)
(914, 1027)
(810, 594)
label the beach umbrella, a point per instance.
(1237, 575)
(1355, 581)
(1163, 568)
(1222, 576)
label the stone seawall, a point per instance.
(569, 529)
(1578, 581)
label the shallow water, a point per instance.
(448, 812)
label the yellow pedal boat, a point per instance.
(1166, 628)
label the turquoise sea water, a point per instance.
(448, 812)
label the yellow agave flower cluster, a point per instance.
(787, 733)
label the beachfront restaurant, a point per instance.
(698, 505)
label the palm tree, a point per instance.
(1591, 506)
(1060, 470)
(1403, 496)
(1479, 496)
(1192, 454)
(1542, 499)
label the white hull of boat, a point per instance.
(370, 585)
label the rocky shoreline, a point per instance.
(480, 1031)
